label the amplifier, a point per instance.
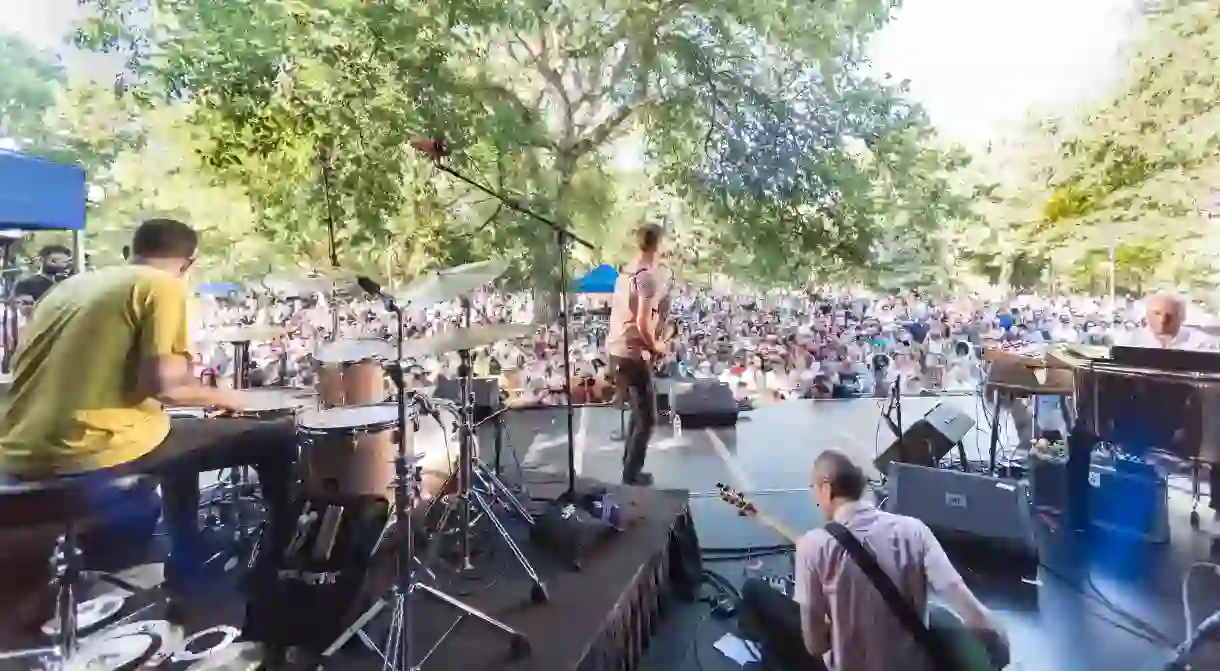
(703, 403)
(486, 391)
(967, 510)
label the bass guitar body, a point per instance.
(968, 649)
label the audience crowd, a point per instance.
(766, 347)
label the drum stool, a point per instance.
(61, 504)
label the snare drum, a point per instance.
(350, 372)
(261, 404)
(350, 451)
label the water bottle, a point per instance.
(677, 425)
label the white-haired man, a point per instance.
(1165, 317)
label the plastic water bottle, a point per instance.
(677, 425)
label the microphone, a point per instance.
(372, 288)
(368, 285)
(434, 148)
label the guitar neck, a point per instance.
(777, 526)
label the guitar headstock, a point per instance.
(736, 499)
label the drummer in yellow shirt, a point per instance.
(99, 359)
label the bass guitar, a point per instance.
(746, 508)
(968, 650)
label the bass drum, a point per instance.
(436, 447)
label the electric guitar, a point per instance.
(968, 649)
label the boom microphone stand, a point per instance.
(436, 150)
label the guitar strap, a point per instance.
(900, 606)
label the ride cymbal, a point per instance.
(308, 282)
(446, 285)
(458, 339)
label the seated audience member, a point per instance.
(838, 619)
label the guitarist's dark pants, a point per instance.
(773, 620)
(635, 386)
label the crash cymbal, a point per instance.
(458, 339)
(255, 333)
(308, 282)
(446, 285)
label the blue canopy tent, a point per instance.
(219, 289)
(600, 280)
(38, 195)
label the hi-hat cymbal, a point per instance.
(255, 333)
(446, 285)
(308, 282)
(458, 339)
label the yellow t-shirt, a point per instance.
(73, 405)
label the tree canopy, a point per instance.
(1137, 170)
(747, 126)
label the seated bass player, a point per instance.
(838, 618)
(99, 360)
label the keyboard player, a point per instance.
(1165, 328)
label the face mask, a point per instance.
(56, 268)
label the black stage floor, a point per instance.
(1078, 613)
(622, 584)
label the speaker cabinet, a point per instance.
(969, 511)
(928, 439)
(703, 403)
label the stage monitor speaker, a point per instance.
(703, 403)
(928, 439)
(970, 511)
(486, 394)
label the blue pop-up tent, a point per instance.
(41, 195)
(38, 195)
(219, 289)
(600, 280)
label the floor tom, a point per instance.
(350, 372)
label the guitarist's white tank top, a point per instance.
(624, 337)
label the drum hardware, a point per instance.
(468, 495)
(235, 503)
(89, 614)
(397, 652)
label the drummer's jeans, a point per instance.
(634, 380)
(196, 446)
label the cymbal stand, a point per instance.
(396, 653)
(488, 477)
(233, 492)
(467, 495)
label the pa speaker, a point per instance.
(929, 439)
(703, 403)
(970, 511)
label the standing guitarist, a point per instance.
(634, 348)
(839, 614)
